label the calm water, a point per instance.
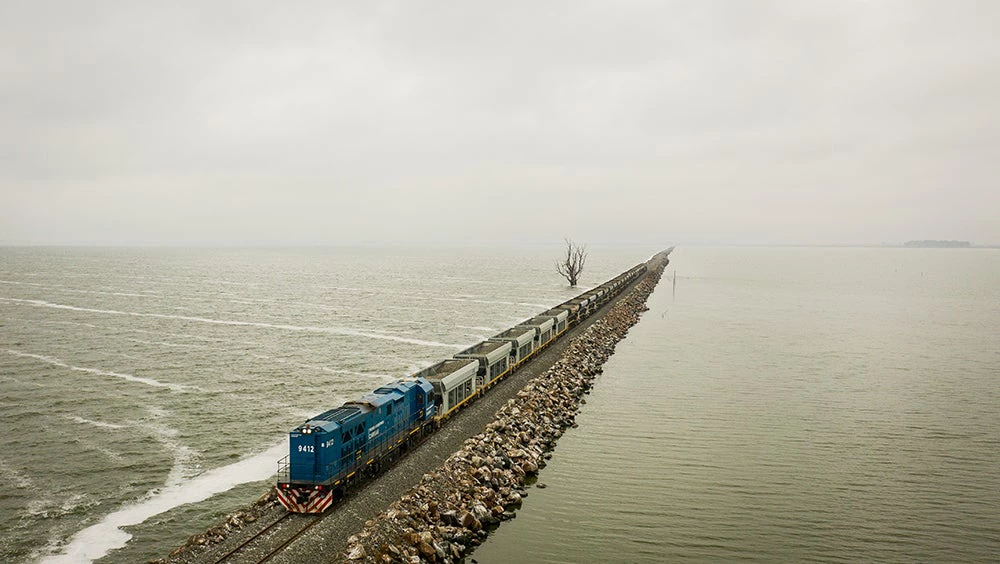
(152, 389)
(787, 405)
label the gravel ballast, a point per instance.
(454, 506)
(578, 356)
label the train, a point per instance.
(333, 451)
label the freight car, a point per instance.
(522, 344)
(544, 329)
(335, 449)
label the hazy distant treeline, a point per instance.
(935, 243)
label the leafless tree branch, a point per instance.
(572, 265)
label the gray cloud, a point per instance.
(796, 122)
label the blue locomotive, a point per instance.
(336, 448)
(330, 450)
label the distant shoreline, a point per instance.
(937, 244)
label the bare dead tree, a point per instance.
(572, 266)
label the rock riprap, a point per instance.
(219, 532)
(452, 508)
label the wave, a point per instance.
(13, 282)
(322, 368)
(328, 330)
(476, 301)
(61, 288)
(101, 424)
(77, 323)
(187, 336)
(15, 477)
(471, 298)
(168, 344)
(129, 377)
(184, 456)
(98, 540)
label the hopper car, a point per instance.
(331, 452)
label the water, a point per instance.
(788, 405)
(144, 393)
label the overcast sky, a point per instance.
(803, 122)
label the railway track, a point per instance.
(262, 540)
(305, 521)
(270, 537)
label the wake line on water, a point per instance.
(322, 368)
(98, 540)
(475, 328)
(100, 424)
(414, 296)
(298, 328)
(475, 301)
(62, 288)
(129, 377)
(170, 345)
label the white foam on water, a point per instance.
(474, 328)
(74, 323)
(129, 377)
(113, 456)
(15, 477)
(415, 367)
(183, 335)
(76, 501)
(62, 288)
(497, 302)
(106, 293)
(183, 454)
(326, 369)
(328, 330)
(95, 423)
(20, 382)
(23, 283)
(413, 308)
(228, 282)
(166, 344)
(98, 540)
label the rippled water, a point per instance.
(787, 405)
(153, 388)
